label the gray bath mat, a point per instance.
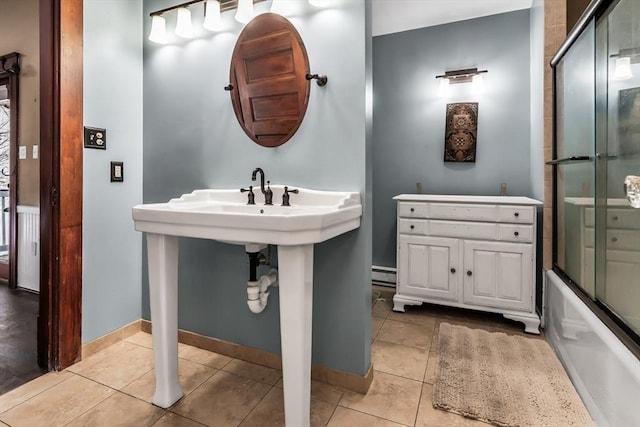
(504, 380)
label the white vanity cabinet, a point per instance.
(474, 252)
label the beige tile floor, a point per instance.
(114, 387)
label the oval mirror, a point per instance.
(269, 91)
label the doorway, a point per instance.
(9, 72)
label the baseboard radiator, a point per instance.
(29, 247)
(383, 276)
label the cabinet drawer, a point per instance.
(469, 230)
(464, 212)
(521, 214)
(515, 233)
(616, 218)
(623, 240)
(413, 210)
(628, 240)
(413, 226)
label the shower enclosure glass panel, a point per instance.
(575, 153)
(617, 224)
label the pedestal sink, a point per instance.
(313, 217)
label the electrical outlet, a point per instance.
(95, 138)
(22, 152)
(117, 171)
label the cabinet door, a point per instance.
(428, 267)
(498, 275)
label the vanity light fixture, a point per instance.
(184, 27)
(461, 76)
(212, 17)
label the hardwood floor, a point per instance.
(18, 338)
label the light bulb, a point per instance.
(158, 29)
(244, 13)
(212, 18)
(184, 28)
(443, 91)
(477, 83)
(623, 69)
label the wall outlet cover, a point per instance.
(22, 152)
(117, 171)
(95, 138)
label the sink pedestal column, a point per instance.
(163, 295)
(295, 275)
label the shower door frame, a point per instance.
(595, 11)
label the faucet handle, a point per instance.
(251, 197)
(268, 194)
(285, 195)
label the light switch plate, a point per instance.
(34, 152)
(95, 138)
(22, 152)
(117, 171)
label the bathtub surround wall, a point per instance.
(192, 140)
(112, 249)
(408, 141)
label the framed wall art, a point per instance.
(461, 132)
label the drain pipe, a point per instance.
(257, 291)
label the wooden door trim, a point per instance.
(12, 81)
(60, 317)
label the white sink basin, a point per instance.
(313, 217)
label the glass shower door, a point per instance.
(617, 224)
(575, 153)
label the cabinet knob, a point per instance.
(412, 209)
(614, 239)
(517, 214)
(453, 270)
(412, 226)
(615, 218)
(469, 273)
(515, 233)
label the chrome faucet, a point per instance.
(268, 194)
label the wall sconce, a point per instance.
(466, 75)
(462, 76)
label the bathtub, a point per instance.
(604, 372)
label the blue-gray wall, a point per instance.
(192, 140)
(111, 248)
(409, 115)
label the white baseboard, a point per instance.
(383, 276)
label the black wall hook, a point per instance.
(321, 79)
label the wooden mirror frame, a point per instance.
(268, 84)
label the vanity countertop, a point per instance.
(511, 200)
